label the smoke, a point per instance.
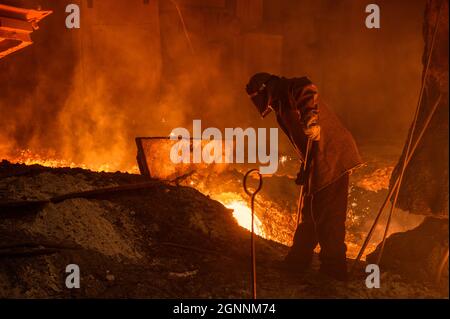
(369, 77)
(84, 95)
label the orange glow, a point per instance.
(243, 215)
(28, 157)
(241, 211)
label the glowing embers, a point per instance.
(51, 159)
(241, 211)
(243, 215)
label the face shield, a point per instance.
(261, 100)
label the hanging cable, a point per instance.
(186, 33)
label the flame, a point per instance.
(29, 157)
(243, 215)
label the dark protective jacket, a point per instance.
(336, 152)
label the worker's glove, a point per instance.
(312, 132)
(310, 125)
(301, 178)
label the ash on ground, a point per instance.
(168, 240)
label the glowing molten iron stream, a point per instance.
(243, 215)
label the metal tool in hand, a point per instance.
(304, 170)
(252, 239)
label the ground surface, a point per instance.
(163, 241)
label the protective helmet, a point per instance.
(258, 92)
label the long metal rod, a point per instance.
(413, 130)
(302, 187)
(407, 156)
(397, 184)
(391, 192)
(252, 238)
(441, 267)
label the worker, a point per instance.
(334, 154)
